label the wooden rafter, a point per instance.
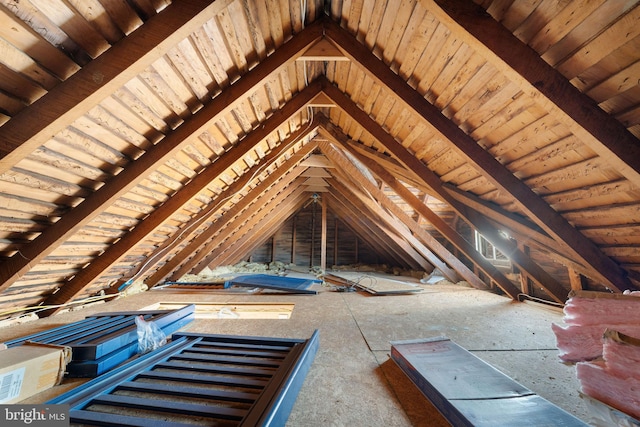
(216, 205)
(250, 229)
(196, 255)
(385, 223)
(115, 252)
(67, 101)
(94, 204)
(443, 254)
(601, 132)
(610, 273)
(188, 257)
(378, 241)
(515, 225)
(439, 224)
(552, 287)
(391, 225)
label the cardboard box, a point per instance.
(31, 368)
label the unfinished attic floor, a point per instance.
(352, 381)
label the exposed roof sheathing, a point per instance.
(149, 139)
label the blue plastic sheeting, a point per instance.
(201, 379)
(99, 343)
(267, 281)
(469, 392)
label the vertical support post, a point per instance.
(273, 247)
(335, 242)
(356, 249)
(576, 279)
(293, 240)
(313, 235)
(525, 282)
(323, 239)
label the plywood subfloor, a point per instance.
(352, 380)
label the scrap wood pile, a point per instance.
(602, 336)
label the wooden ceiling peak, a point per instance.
(323, 50)
(198, 129)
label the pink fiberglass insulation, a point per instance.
(578, 343)
(621, 353)
(587, 315)
(602, 309)
(584, 343)
(622, 393)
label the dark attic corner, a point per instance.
(310, 213)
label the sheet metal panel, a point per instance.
(268, 281)
(470, 392)
(255, 385)
(101, 342)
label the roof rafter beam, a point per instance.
(451, 235)
(507, 247)
(248, 230)
(234, 220)
(390, 225)
(443, 257)
(385, 223)
(394, 216)
(70, 99)
(94, 204)
(202, 258)
(348, 212)
(196, 255)
(601, 132)
(606, 270)
(115, 252)
(515, 224)
(208, 211)
(192, 248)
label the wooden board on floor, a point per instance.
(380, 286)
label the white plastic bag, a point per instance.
(150, 336)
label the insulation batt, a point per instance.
(587, 315)
(615, 380)
(621, 353)
(598, 311)
(582, 343)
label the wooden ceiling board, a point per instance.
(105, 137)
